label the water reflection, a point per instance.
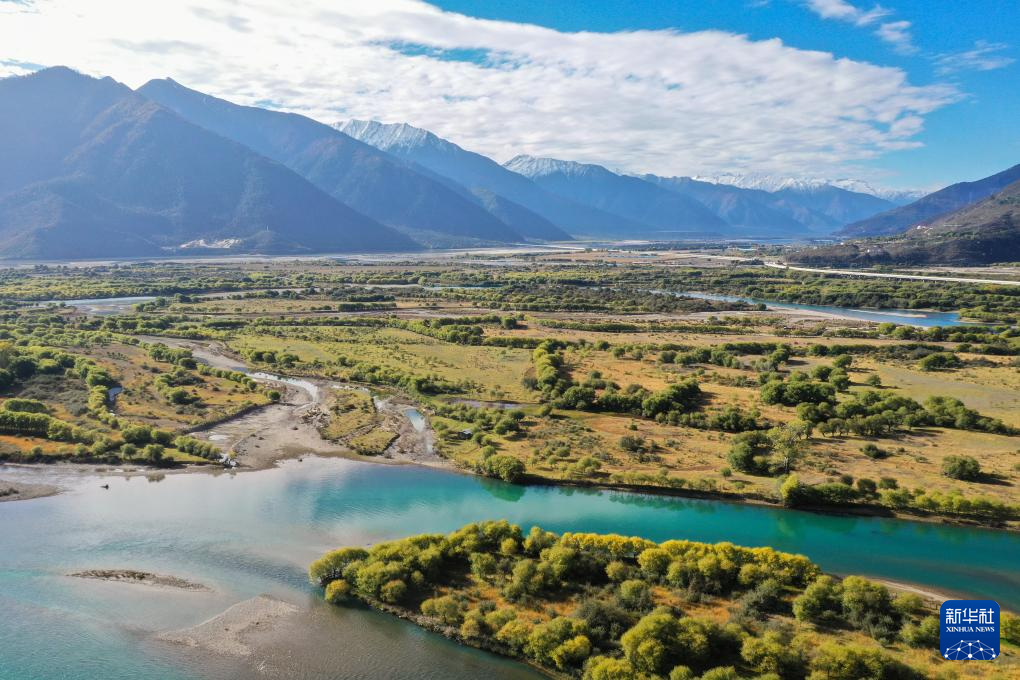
(510, 493)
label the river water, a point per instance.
(904, 317)
(251, 533)
(907, 317)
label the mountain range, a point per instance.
(773, 183)
(592, 201)
(662, 213)
(481, 174)
(983, 232)
(941, 202)
(368, 180)
(90, 168)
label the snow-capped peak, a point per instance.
(773, 183)
(388, 136)
(531, 166)
(863, 187)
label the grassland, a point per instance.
(461, 339)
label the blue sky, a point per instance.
(905, 94)
(973, 138)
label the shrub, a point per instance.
(874, 452)
(940, 361)
(634, 595)
(444, 608)
(338, 591)
(820, 602)
(632, 443)
(608, 668)
(964, 468)
(393, 591)
(756, 604)
(868, 607)
(853, 662)
(1011, 628)
(923, 634)
(504, 467)
(775, 653)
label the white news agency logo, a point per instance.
(969, 630)
(972, 615)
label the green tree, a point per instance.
(505, 467)
(853, 662)
(820, 602)
(965, 468)
(924, 634)
(608, 668)
(775, 652)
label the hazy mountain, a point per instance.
(894, 196)
(750, 211)
(943, 201)
(88, 168)
(819, 204)
(664, 213)
(839, 205)
(773, 183)
(981, 233)
(480, 173)
(360, 175)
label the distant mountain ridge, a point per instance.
(89, 168)
(746, 209)
(661, 211)
(773, 183)
(89, 164)
(943, 201)
(480, 174)
(360, 175)
(984, 232)
(790, 211)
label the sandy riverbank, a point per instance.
(23, 491)
(230, 633)
(899, 587)
(288, 429)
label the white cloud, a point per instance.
(896, 33)
(985, 56)
(13, 68)
(644, 101)
(841, 10)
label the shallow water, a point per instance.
(416, 418)
(103, 306)
(251, 533)
(907, 317)
(311, 388)
(904, 317)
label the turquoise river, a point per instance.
(255, 532)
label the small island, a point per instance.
(609, 607)
(140, 578)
